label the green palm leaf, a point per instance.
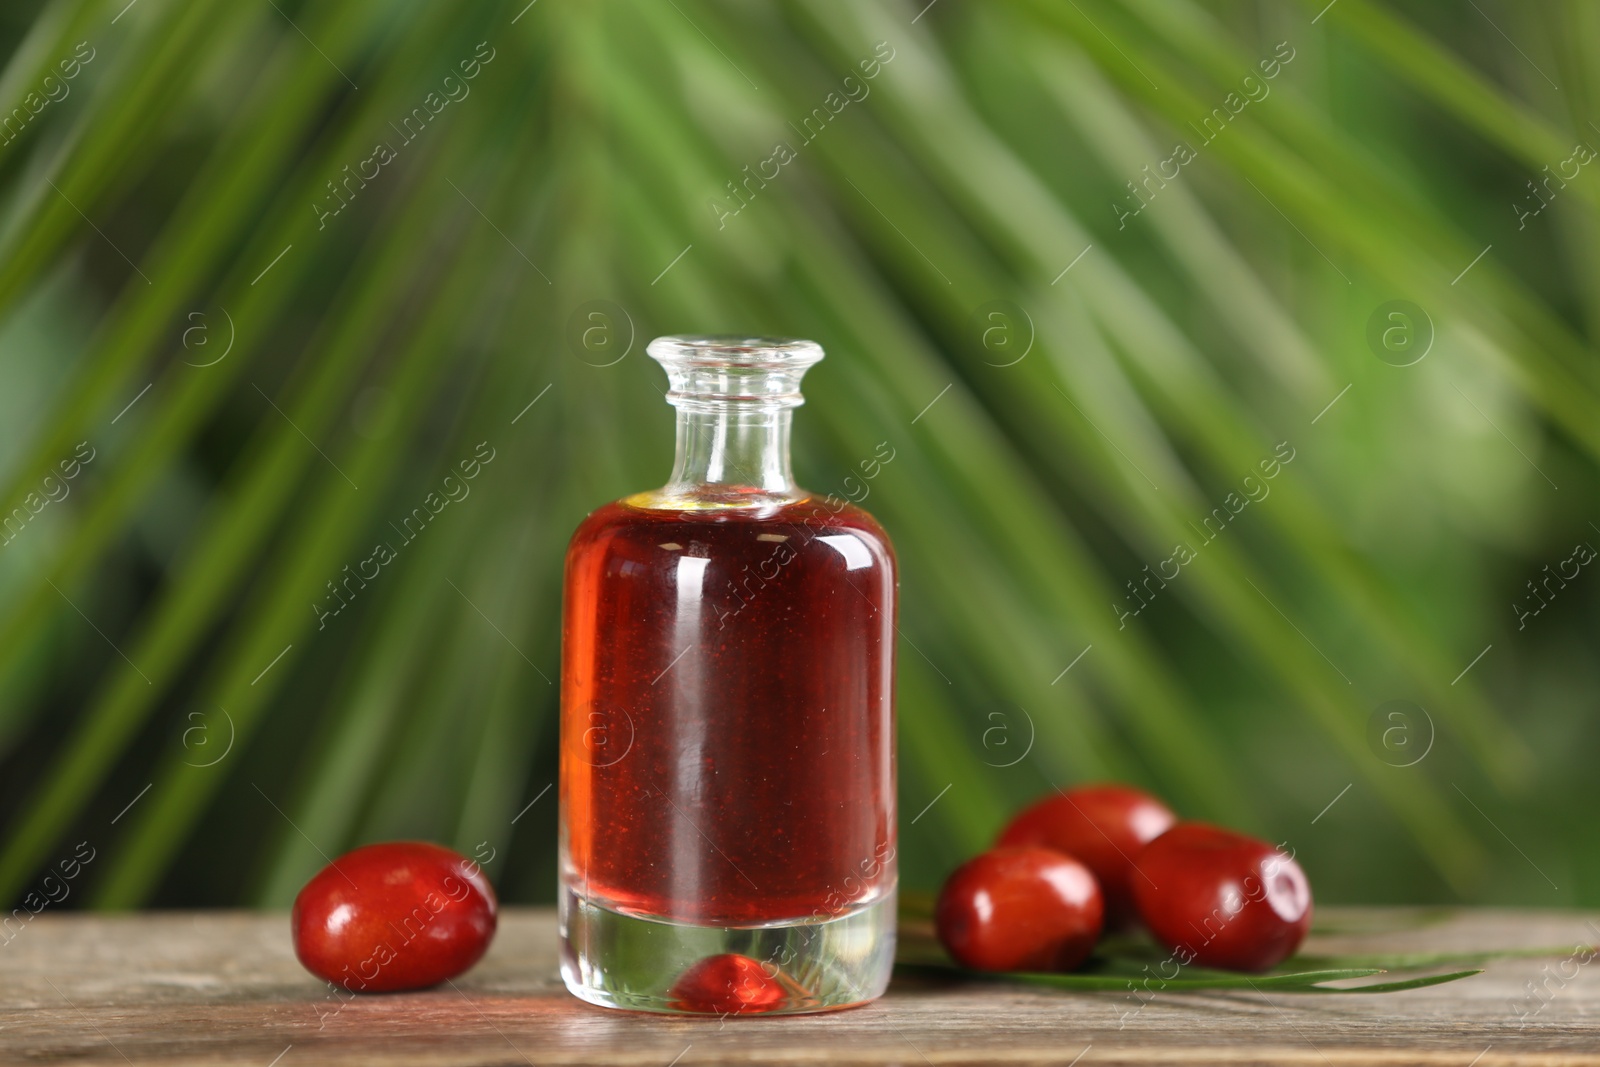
(601, 155)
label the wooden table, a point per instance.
(224, 988)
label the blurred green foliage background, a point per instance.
(270, 271)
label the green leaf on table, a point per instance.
(1097, 976)
(1396, 987)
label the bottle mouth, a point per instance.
(711, 370)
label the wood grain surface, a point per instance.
(224, 988)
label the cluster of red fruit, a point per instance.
(1103, 857)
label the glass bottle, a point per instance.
(727, 730)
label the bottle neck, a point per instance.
(734, 451)
(735, 398)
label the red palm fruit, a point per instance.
(1104, 827)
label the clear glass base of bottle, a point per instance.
(621, 961)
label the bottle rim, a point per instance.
(734, 351)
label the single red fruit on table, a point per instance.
(1222, 899)
(730, 984)
(1020, 909)
(1102, 826)
(399, 915)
